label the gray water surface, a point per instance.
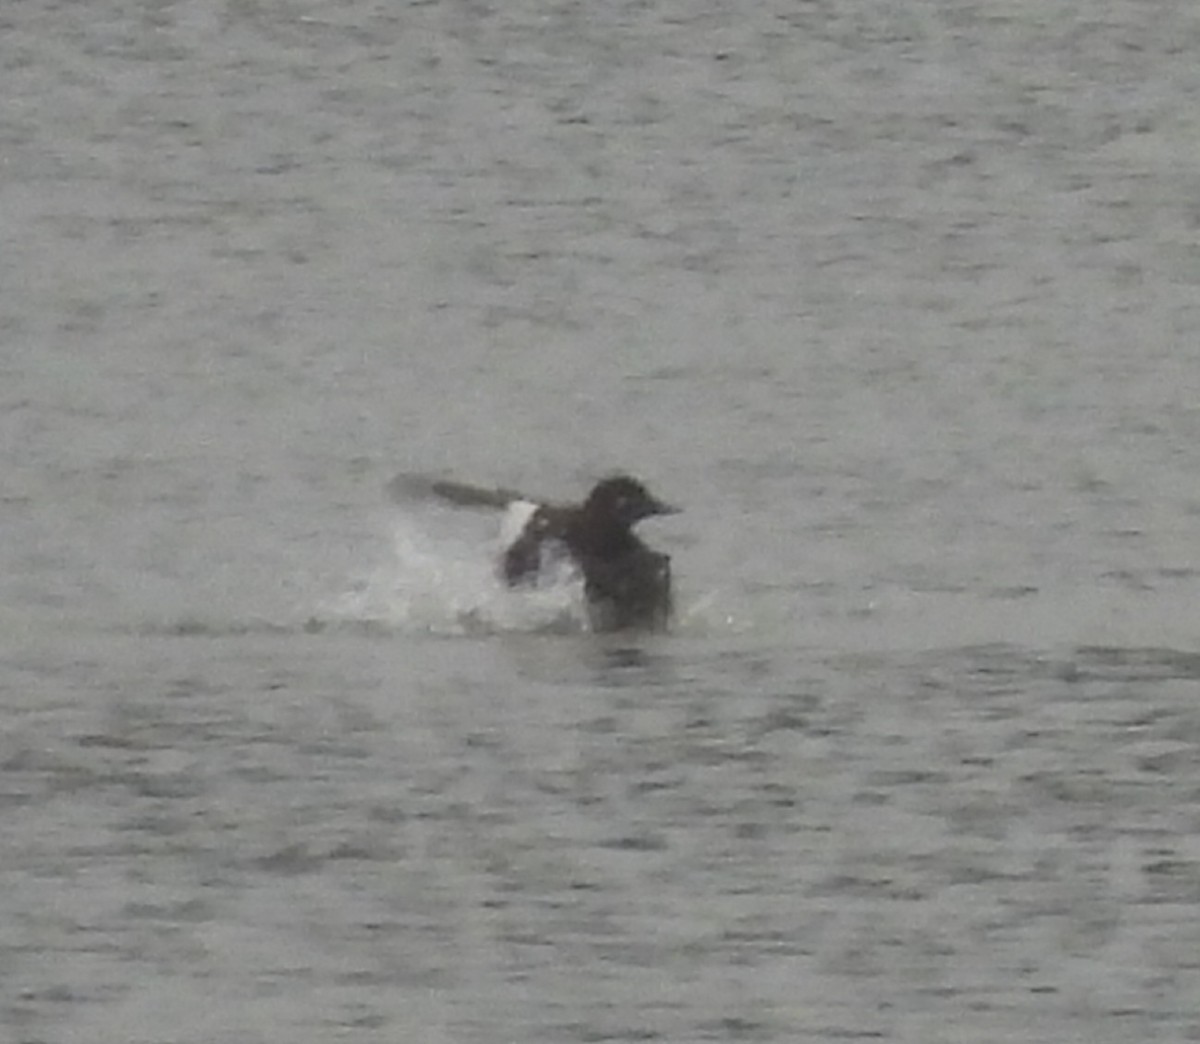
(898, 300)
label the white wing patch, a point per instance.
(516, 518)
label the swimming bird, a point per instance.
(626, 584)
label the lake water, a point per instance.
(898, 300)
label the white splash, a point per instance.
(446, 586)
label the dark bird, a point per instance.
(626, 584)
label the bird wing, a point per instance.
(409, 486)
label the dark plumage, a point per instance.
(627, 585)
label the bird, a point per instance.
(626, 584)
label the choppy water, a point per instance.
(899, 300)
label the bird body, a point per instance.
(626, 584)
